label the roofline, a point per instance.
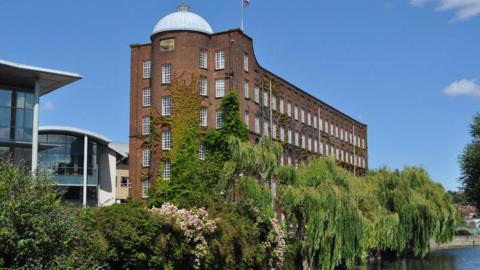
(40, 69)
(258, 63)
(77, 131)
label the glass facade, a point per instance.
(16, 115)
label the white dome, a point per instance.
(183, 19)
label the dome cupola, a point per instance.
(183, 19)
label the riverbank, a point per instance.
(458, 242)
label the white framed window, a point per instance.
(146, 125)
(309, 143)
(297, 139)
(281, 105)
(203, 61)
(289, 109)
(336, 132)
(203, 116)
(166, 73)
(295, 112)
(220, 60)
(246, 89)
(309, 119)
(256, 94)
(146, 157)
(147, 97)
(326, 127)
(246, 119)
(302, 115)
(265, 98)
(289, 136)
(218, 120)
(257, 125)
(321, 124)
(166, 170)
(315, 122)
(265, 128)
(219, 88)
(166, 106)
(145, 187)
(124, 181)
(166, 140)
(147, 69)
(274, 130)
(304, 141)
(331, 129)
(315, 146)
(363, 143)
(274, 102)
(245, 62)
(321, 148)
(201, 152)
(203, 86)
(282, 134)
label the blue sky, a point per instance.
(405, 68)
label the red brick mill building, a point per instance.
(184, 43)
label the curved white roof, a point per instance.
(183, 19)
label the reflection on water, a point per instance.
(449, 259)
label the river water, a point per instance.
(447, 259)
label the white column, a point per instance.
(85, 164)
(36, 99)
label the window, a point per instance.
(282, 134)
(256, 94)
(289, 109)
(245, 89)
(145, 186)
(147, 69)
(167, 170)
(303, 141)
(201, 152)
(326, 126)
(220, 60)
(265, 98)
(309, 144)
(274, 102)
(203, 86)
(289, 136)
(297, 139)
(166, 106)
(146, 125)
(219, 88)
(315, 122)
(166, 73)
(295, 113)
(167, 45)
(203, 59)
(302, 115)
(147, 97)
(245, 62)
(257, 125)
(336, 132)
(246, 119)
(321, 148)
(315, 146)
(124, 182)
(309, 119)
(331, 129)
(320, 124)
(289, 160)
(166, 140)
(265, 128)
(146, 158)
(282, 109)
(203, 117)
(274, 130)
(363, 143)
(218, 120)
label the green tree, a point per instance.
(37, 230)
(470, 165)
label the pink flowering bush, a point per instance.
(194, 225)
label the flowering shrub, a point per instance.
(195, 226)
(275, 245)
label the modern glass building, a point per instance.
(20, 89)
(80, 160)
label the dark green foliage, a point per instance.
(458, 197)
(470, 165)
(36, 229)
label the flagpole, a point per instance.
(241, 15)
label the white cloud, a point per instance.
(463, 9)
(463, 87)
(48, 106)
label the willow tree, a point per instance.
(470, 164)
(317, 201)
